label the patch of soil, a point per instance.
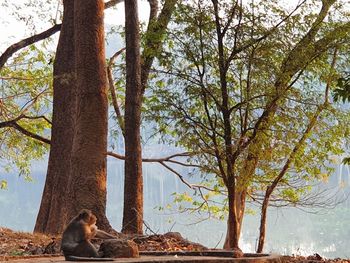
(315, 258)
(23, 245)
(172, 241)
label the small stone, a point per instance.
(175, 235)
(237, 253)
(119, 248)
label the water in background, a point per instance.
(289, 231)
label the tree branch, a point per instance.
(159, 160)
(154, 37)
(169, 159)
(254, 41)
(37, 117)
(26, 42)
(112, 3)
(38, 37)
(303, 53)
(153, 11)
(13, 124)
(112, 90)
(177, 174)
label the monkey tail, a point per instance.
(75, 258)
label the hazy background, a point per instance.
(290, 231)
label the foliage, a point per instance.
(342, 92)
(26, 92)
(3, 184)
(346, 161)
(187, 101)
(26, 98)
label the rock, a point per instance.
(175, 235)
(119, 248)
(315, 257)
(53, 247)
(237, 253)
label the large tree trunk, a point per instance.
(87, 185)
(52, 213)
(133, 188)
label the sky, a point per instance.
(13, 30)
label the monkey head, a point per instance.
(87, 216)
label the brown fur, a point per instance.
(76, 239)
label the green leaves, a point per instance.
(343, 90)
(26, 98)
(193, 91)
(3, 184)
(346, 160)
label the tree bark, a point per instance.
(87, 184)
(263, 216)
(233, 226)
(52, 216)
(133, 188)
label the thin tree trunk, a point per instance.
(240, 208)
(232, 234)
(52, 216)
(291, 158)
(87, 185)
(133, 188)
(233, 226)
(262, 229)
(137, 78)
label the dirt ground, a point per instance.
(20, 245)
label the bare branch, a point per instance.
(13, 124)
(254, 41)
(112, 90)
(192, 186)
(112, 3)
(38, 37)
(26, 42)
(231, 16)
(17, 78)
(178, 174)
(37, 117)
(32, 101)
(169, 159)
(29, 133)
(159, 160)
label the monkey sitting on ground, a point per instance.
(76, 244)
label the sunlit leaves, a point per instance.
(346, 161)
(3, 184)
(343, 91)
(26, 95)
(189, 105)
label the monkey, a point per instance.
(76, 244)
